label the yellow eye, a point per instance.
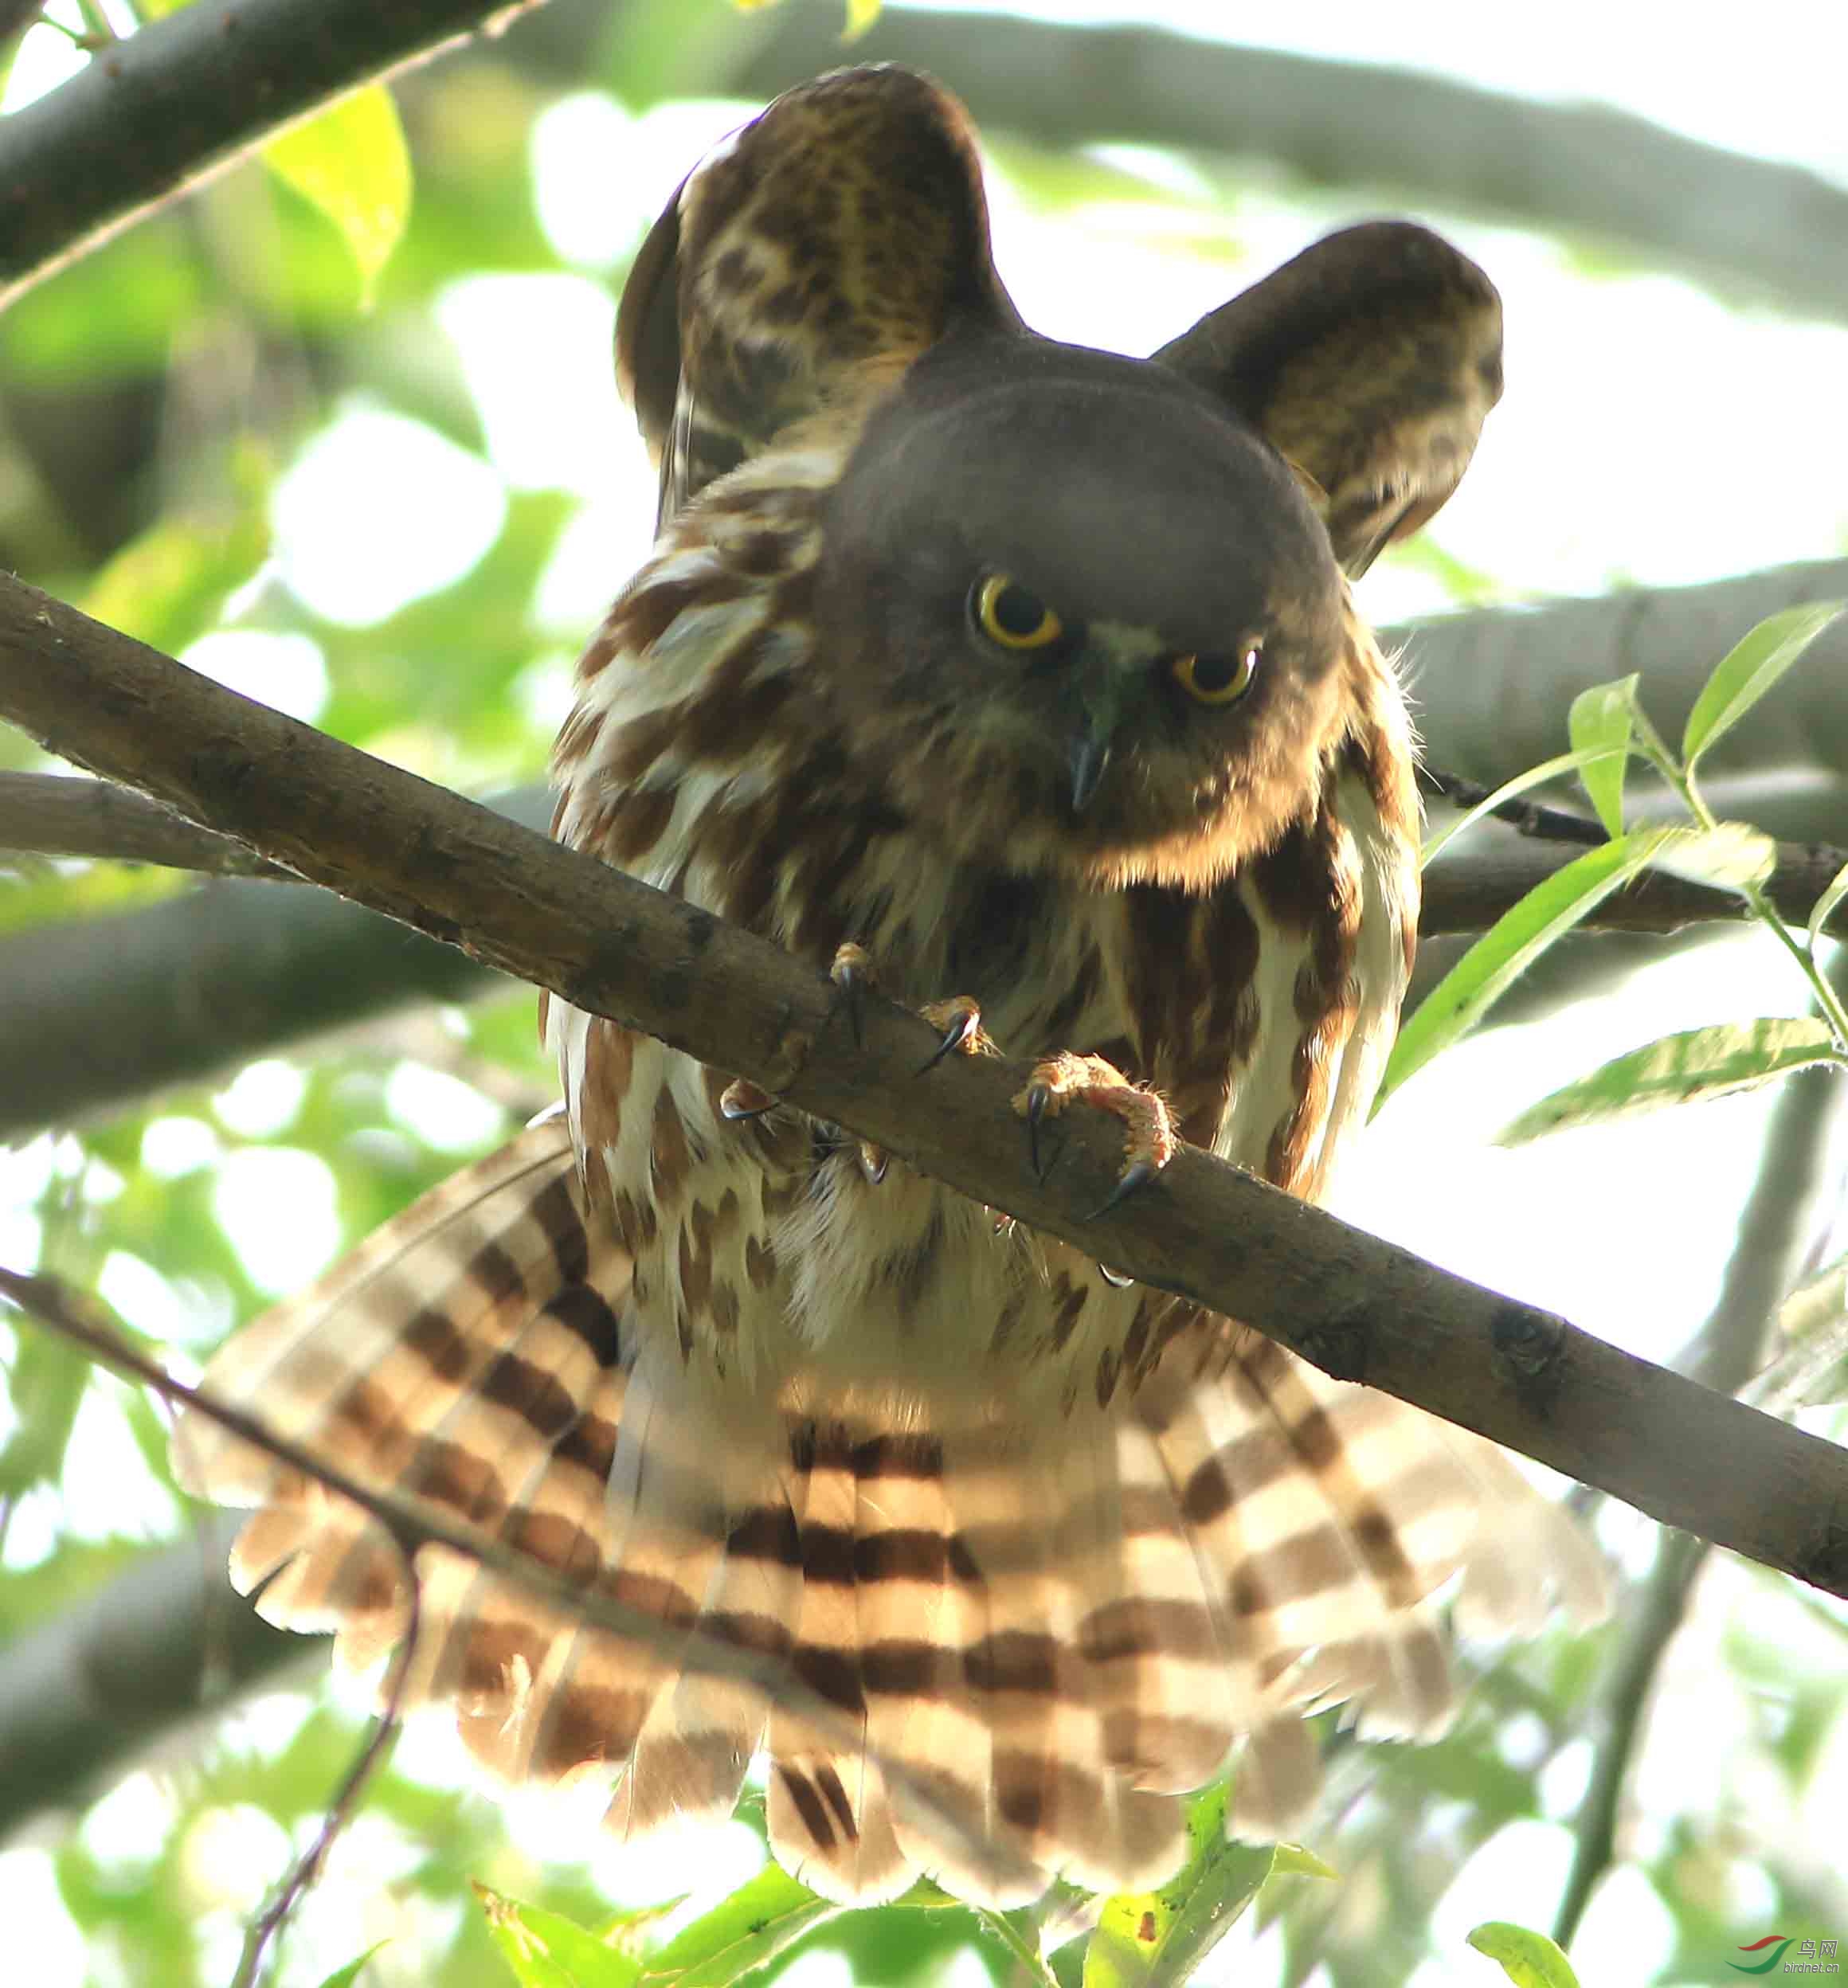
(1216, 679)
(1014, 616)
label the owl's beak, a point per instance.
(1112, 659)
(1087, 756)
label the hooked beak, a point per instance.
(1087, 756)
(1114, 659)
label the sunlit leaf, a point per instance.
(1530, 1960)
(1158, 1939)
(1548, 911)
(1291, 1859)
(1600, 724)
(1750, 669)
(1130, 1931)
(546, 1950)
(1548, 770)
(168, 586)
(345, 1976)
(46, 1384)
(752, 1927)
(1816, 1303)
(860, 14)
(1731, 855)
(1837, 890)
(352, 162)
(1698, 1063)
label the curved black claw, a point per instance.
(1039, 1097)
(965, 1025)
(1137, 1175)
(741, 1099)
(873, 1163)
(851, 974)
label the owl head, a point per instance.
(1079, 616)
(1083, 613)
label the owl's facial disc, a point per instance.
(1084, 622)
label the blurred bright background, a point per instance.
(403, 517)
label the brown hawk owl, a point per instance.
(1025, 678)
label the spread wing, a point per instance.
(806, 261)
(1370, 361)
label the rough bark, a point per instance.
(161, 111)
(1356, 1307)
(196, 986)
(164, 1643)
(186, 95)
(1493, 688)
(1747, 227)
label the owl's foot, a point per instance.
(741, 1099)
(1149, 1131)
(853, 975)
(959, 1018)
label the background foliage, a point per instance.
(338, 429)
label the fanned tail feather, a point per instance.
(988, 1653)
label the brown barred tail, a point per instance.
(1015, 1648)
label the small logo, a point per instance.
(1813, 1956)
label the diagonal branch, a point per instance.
(187, 94)
(182, 98)
(1356, 1307)
(1738, 223)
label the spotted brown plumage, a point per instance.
(1026, 680)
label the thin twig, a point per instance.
(1653, 1621)
(414, 1526)
(275, 1917)
(1790, 1200)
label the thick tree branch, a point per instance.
(1356, 1307)
(1740, 224)
(161, 1644)
(97, 1012)
(1492, 686)
(194, 986)
(50, 814)
(186, 95)
(182, 97)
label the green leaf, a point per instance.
(1519, 936)
(1534, 777)
(735, 1938)
(1600, 724)
(546, 1950)
(168, 586)
(1751, 670)
(352, 162)
(1837, 890)
(1699, 1063)
(1158, 1939)
(48, 1379)
(1731, 855)
(1291, 1859)
(345, 1976)
(1530, 1960)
